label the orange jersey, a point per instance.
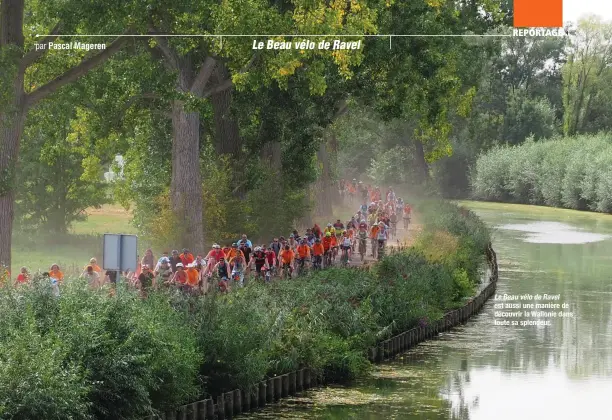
(374, 232)
(192, 277)
(351, 233)
(232, 253)
(287, 256)
(334, 241)
(303, 251)
(318, 249)
(57, 274)
(328, 242)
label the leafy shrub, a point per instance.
(129, 356)
(561, 172)
(91, 355)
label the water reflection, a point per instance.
(483, 371)
(554, 233)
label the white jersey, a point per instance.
(346, 242)
(382, 234)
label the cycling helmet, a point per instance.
(328, 234)
(329, 225)
(291, 236)
(234, 245)
(318, 240)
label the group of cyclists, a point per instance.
(224, 267)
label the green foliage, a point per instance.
(60, 174)
(115, 356)
(562, 172)
(90, 355)
(587, 77)
(526, 117)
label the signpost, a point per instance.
(120, 253)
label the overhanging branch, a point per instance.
(203, 76)
(33, 55)
(226, 84)
(74, 73)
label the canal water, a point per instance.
(484, 371)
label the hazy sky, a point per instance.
(575, 9)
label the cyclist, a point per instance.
(393, 223)
(351, 234)
(390, 195)
(407, 212)
(275, 247)
(310, 237)
(238, 264)
(364, 208)
(362, 236)
(272, 260)
(222, 269)
(233, 252)
(317, 253)
(338, 226)
(382, 234)
(346, 244)
(287, 257)
(336, 239)
(330, 228)
(351, 223)
(292, 242)
(400, 203)
(260, 261)
(303, 252)
(316, 230)
(373, 233)
(328, 244)
(163, 273)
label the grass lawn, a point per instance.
(73, 251)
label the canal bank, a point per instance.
(479, 371)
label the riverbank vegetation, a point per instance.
(574, 173)
(90, 355)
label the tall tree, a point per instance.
(589, 57)
(29, 75)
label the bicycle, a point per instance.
(301, 267)
(316, 262)
(327, 259)
(362, 248)
(286, 271)
(406, 222)
(381, 250)
(344, 258)
(393, 229)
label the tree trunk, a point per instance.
(271, 153)
(227, 134)
(420, 162)
(186, 185)
(12, 120)
(11, 128)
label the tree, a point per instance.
(589, 56)
(29, 75)
(424, 79)
(59, 174)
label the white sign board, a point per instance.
(120, 252)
